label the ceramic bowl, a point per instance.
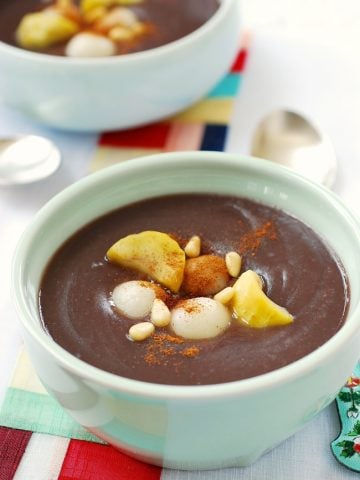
(122, 91)
(189, 427)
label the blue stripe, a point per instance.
(228, 87)
(214, 138)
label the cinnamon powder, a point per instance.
(251, 241)
(162, 346)
(190, 352)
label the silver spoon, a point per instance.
(26, 159)
(288, 138)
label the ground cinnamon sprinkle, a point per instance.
(191, 352)
(189, 307)
(251, 241)
(202, 274)
(161, 346)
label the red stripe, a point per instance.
(92, 461)
(240, 62)
(151, 136)
(12, 447)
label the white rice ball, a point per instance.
(134, 299)
(200, 318)
(89, 45)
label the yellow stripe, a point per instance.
(24, 376)
(210, 110)
(106, 156)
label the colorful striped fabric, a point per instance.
(33, 456)
(38, 440)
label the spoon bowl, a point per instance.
(26, 159)
(290, 139)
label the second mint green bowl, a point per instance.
(189, 427)
(121, 91)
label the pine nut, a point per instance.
(233, 263)
(225, 295)
(160, 314)
(193, 247)
(141, 331)
(138, 28)
(118, 17)
(120, 33)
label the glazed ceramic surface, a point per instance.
(194, 427)
(121, 91)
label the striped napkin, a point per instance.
(38, 440)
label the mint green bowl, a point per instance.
(121, 91)
(189, 427)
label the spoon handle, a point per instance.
(346, 447)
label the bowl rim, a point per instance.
(153, 390)
(144, 55)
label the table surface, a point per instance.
(296, 61)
